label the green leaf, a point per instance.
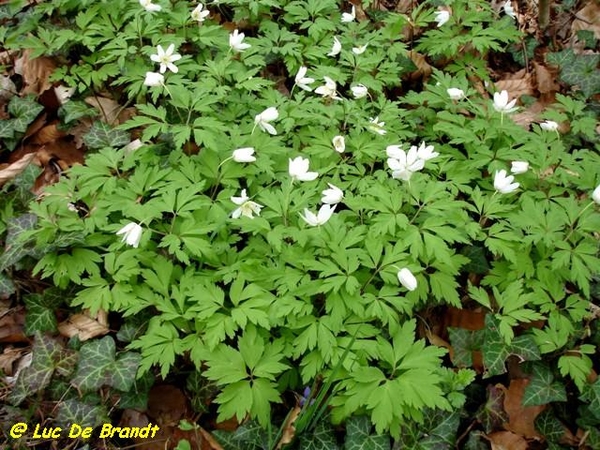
(359, 435)
(7, 287)
(542, 388)
(102, 135)
(25, 108)
(592, 395)
(122, 373)
(464, 342)
(73, 110)
(322, 438)
(39, 316)
(37, 376)
(95, 359)
(577, 367)
(73, 411)
(15, 248)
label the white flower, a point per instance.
(407, 279)
(166, 58)
(425, 152)
(359, 50)
(504, 184)
(404, 164)
(359, 91)
(324, 214)
(235, 41)
(508, 9)
(455, 93)
(337, 47)
(298, 169)
(243, 155)
(549, 125)
(133, 146)
(199, 14)
(132, 233)
(501, 103)
(441, 17)
(63, 94)
(154, 79)
(339, 144)
(148, 6)
(72, 207)
(394, 151)
(596, 194)
(333, 195)
(246, 206)
(263, 119)
(375, 126)
(518, 167)
(302, 81)
(349, 17)
(328, 89)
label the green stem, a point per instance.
(572, 229)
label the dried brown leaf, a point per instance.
(505, 440)
(289, 430)
(518, 84)
(48, 134)
(423, 67)
(587, 18)
(521, 418)
(14, 169)
(35, 72)
(110, 111)
(546, 79)
(84, 326)
(210, 440)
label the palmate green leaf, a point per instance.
(542, 388)
(322, 438)
(577, 367)
(103, 135)
(73, 411)
(359, 435)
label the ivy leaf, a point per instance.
(359, 437)
(37, 376)
(39, 316)
(95, 357)
(25, 108)
(102, 135)
(551, 428)
(592, 395)
(122, 374)
(542, 389)
(73, 411)
(464, 343)
(14, 248)
(322, 438)
(73, 110)
(578, 70)
(7, 287)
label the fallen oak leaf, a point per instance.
(14, 169)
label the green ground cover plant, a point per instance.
(295, 210)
